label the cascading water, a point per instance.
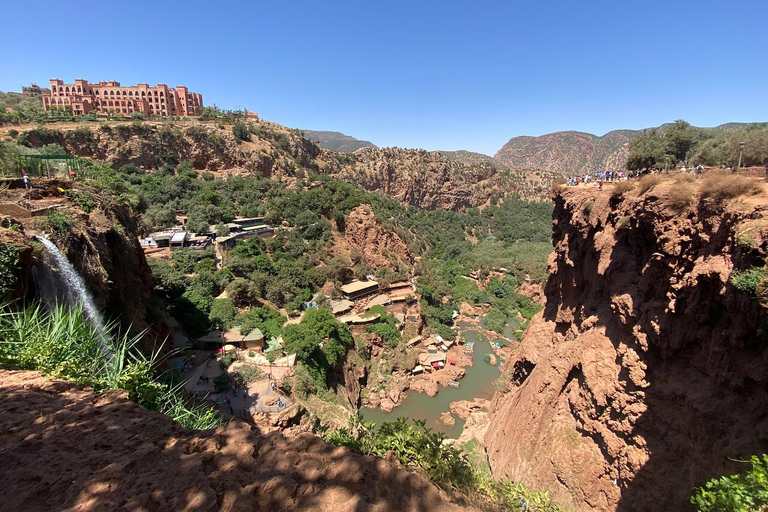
(60, 282)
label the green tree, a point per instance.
(680, 139)
(222, 313)
(646, 152)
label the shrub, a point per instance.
(226, 360)
(621, 188)
(587, 207)
(749, 280)
(9, 261)
(247, 373)
(240, 131)
(59, 221)
(736, 492)
(222, 382)
(648, 182)
(680, 195)
(728, 188)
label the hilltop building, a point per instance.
(33, 90)
(110, 97)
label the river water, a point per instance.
(477, 383)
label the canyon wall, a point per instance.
(646, 373)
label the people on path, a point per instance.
(25, 179)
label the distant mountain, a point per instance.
(468, 157)
(572, 153)
(337, 141)
(568, 153)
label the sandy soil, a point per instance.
(67, 448)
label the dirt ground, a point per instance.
(69, 449)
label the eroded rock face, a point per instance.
(68, 448)
(644, 373)
(380, 246)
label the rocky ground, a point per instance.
(68, 448)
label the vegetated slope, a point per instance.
(569, 153)
(415, 177)
(68, 448)
(572, 153)
(645, 375)
(470, 157)
(336, 141)
(428, 180)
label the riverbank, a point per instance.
(476, 383)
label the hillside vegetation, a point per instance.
(572, 153)
(416, 178)
(688, 145)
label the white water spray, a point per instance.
(73, 290)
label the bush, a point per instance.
(719, 187)
(587, 208)
(222, 382)
(736, 492)
(749, 280)
(680, 195)
(621, 188)
(241, 132)
(59, 221)
(622, 223)
(9, 261)
(246, 374)
(648, 182)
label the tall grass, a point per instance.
(62, 343)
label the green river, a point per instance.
(477, 383)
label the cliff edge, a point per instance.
(646, 372)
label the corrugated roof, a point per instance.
(179, 236)
(427, 358)
(339, 306)
(356, 286)
(254, 335)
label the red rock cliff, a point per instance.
(646, 371)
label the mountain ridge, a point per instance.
(337, 141)
(571, 152)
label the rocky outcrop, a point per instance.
(68, 448)
(380, 246)
(463, 408)
(428, 180)
(645, 374)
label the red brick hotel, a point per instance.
(110, 97)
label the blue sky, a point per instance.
(420, 74)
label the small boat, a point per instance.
(454, 383)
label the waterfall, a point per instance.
(60, 283)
